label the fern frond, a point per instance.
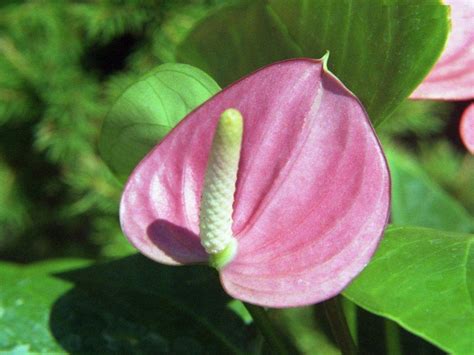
(105, 20)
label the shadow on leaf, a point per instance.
(134, 305)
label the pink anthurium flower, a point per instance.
(452, 78)
(466, 128)
(312, 189)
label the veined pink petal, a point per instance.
(466, 128)
(452, 78)
(312, 194)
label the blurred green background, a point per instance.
(62, 63)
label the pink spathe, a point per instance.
(466, 128)
(452, 78)
(313, 187)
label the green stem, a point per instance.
(340, 330)
(350, 311)
(270, 333)
(392, 338)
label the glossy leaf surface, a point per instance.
(27, 295)
(310, 160)
(419, 201)
(130, 305)
(381, 52)
(466, 128)
(452, 78)
(422, 279)
(148, 110)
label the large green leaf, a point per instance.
(131, 305)
(380, 49)
(418, 201)
(148, 110)
(422, 279)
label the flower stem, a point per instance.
(340, 330)
(392, 338)
(272, 336)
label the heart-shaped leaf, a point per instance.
(148, 110)
(418, 201)
(127, 306)
(381, 51)
(422, 279)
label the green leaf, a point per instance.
(423, 280)
(131, 305)
(143, 115)
(177, 22)
(27, 295)
(380, 50)
(418, 201)
(236, 40)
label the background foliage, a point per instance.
(62, 65)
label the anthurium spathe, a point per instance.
(311, 192)
(466, 128)
(452, 78)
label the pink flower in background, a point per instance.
(466, 128)
(312, 193)
(452, 78)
